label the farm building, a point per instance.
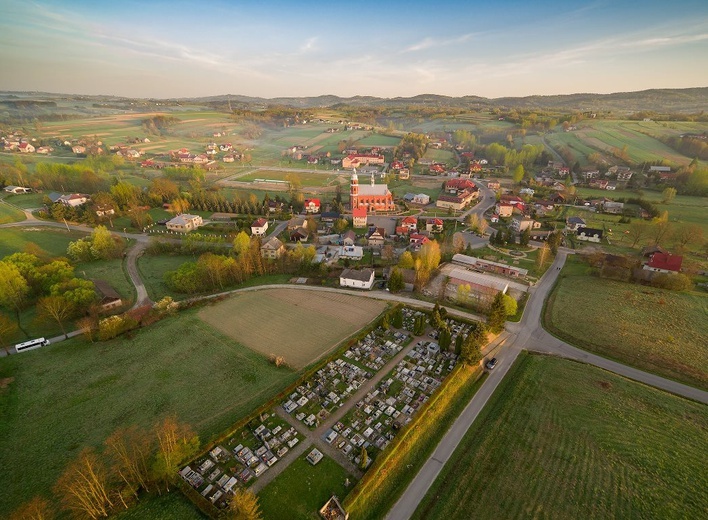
(108, 298)
(477, 288)
(184, 223)
(17, 189)
(357, 278)
(664, 263)
(472, 262)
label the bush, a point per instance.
(672, 282)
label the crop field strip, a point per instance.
(301, 326)
(564, 440)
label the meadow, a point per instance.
(652, 329)
(559, 439)
(43, 241)
(179, 366)
(9, 214)
(300, 326)
(306, 178)
(302, 489)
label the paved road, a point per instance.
(131, 264)
(527, 334)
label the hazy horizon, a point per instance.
(161, 49)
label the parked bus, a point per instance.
(33, 343)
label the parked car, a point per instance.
(491, 363)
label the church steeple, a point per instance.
(354, 191)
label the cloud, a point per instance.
(429, 43)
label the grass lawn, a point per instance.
(26, 200)
(9, 214)
(111, 271)
(46, 242)
(74, 394)
(560, 439)
(152, 271)
(302, 489)
(173, 506)
(653, 329)
(325, 178)
(379, 140)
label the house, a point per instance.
(357, 278)
(410, 223)
(417, 240)
(259, 227)
(300, 234)
(573, 223)
(25, 147)
(376, 237)
(78, 149)
(352, 252)
(330, 216)
(272, 248)
(515, 201)
(612, 207)
(359, 217)
(457, 202)
(600, 184)
(184, 223)
(356, 160)
(228, 158)
(664, 263)
(472, 262)
(590, 173)
(521, 224)
(404, 174)
(421, 198)
(648, 251)
(312, 206)
(296, 222)
(659, 169)
(73, 200)
(108, 298)
(494, 218)
(493, 185)
(17, 189)
(527, 191)
(274, 206)
(434, 225)
(504, 210)
(589, 234)
(349, 238)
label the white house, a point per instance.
(17, 189)
(589, 234)
(357, 278)
(259, 227)
(184, 223)
(352, 252)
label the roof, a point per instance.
(590, 231)
(105, 289)
(460, 184)
(349, 234)
(575, 220)
(182, 219)
(484, 280)
(272, 243)
(410, 220)
(259, 223)
(435, 221)
(666, 261)
(377, 189)
(359, 212)
(316, 202)
(473, 261)
(361, 275)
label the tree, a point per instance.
(103, 244)
(429, 255)
(419, 325)
(242, 243)
(637, 230)
(471, 346)
(668, 195)
(56, 308)
(388, 253)
(660, 230)
(88, 325)
(83, 487)
(340, 225)
(129, 450)
(482, 226)
(14, 290)
(406, 260)
(686, 235)
(244, 506)
(473, 222)
(519, 173)
(395, 280)
(445, 338)
(397, 318)
(525, 237)
(38, 508)
(497, 314)
(363, 459)
(176, 443)
(542, 257)
(510, 305)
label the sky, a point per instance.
(268, 48)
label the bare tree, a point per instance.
(638, 230)
(36, 509)
(83, 487)
(7, 329)
(129, 449)
(56, 308)
(176, 443)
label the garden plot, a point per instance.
(298, 325)
(332, 385)
(241, 459)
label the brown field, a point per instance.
(300, 326)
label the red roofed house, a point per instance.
(356, 160)
(259, 227)
(359, 217)
(312, 206)
(418, 239)
(434, 225)
(664, 263)
(410, 223)
(515, 201)
(504, 210)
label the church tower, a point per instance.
(354, 191)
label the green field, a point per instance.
(46, 241)
(379, 140)
(302, 489)
(74, 394)
(26, 201)
(111, 271)
(9, 214)
(172, 506)
(655, 330)
(560, 439)
(152, 271)
(306, 178)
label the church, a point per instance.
(373, 197)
